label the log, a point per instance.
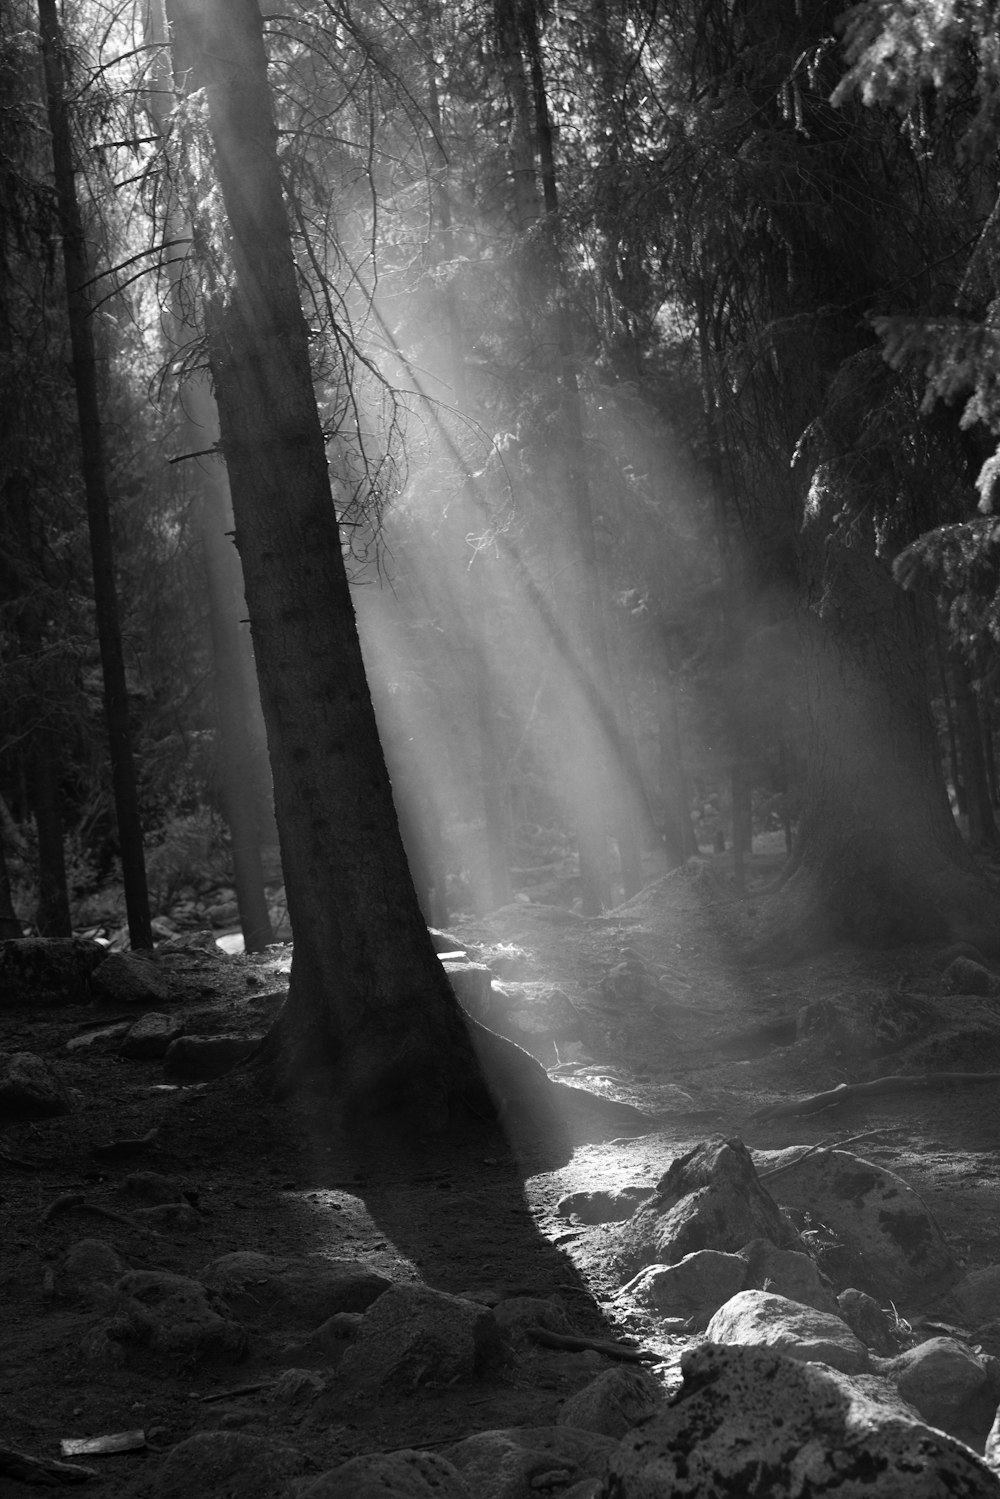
(847, 1092)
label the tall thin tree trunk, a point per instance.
(982, 825)
(368, 996)
(10, 926)
(116, 707)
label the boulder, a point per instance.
(90, 1266)
(150, 1036)
(614, 1206)
(967, 976)
(612, 1403)
(36, 971)
(308, 1291)
(692, 1289)
(708, 1199)
(515, 1314)
(221, 1463)
(763, 1320)
(947, 1384)
(525, 1460)
(868, 1321)
(413, 1335)
(895, 1247)
(976, 1297)
(788, 1273)
(471, 983)
(749, 1422)
(175, 1318)
(406, 1474)
(198, 1059)
(30, 1088)
(130, 978)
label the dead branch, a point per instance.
(577, 1344)
(846, 1092)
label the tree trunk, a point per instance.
(879, 857)
(367, 993)
(52, 917)
(10, 926)
(116, 707)
(982, 826)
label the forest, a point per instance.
(499, 596)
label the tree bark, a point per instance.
(10, 926)
(52, 916)
(94, 469)
(367, 995)
(975, 778)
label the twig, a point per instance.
(242, 1389)
(46, 1472)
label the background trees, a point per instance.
(654, 355)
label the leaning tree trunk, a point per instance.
(879, 858)
(367, 994)
(94, 470)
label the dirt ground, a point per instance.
(670, 1020)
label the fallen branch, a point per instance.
(77, 1200)
(45, 1472)
(822, 1145)
(845, 1092)
(577, 1344)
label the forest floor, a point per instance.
(671, 1021)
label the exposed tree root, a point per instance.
(845, 1092)
(621, 1351)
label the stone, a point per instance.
(308, 1291)
(198, 1059)
(30, 1088)
(152, 1187)
(612, 1403)
(708, 1199)
(296, 1387)
(407, 1474)
(515, 1314)
(96, 1040)
(525, 1460)
(91, 1264)
(413, 1335)
(614, 1206)
(895, 1247)
(763, 1320)
(37, 971)
(966, 976)
(786, 1272)
(692, 1289)
(868, 1321)
(130, 978)
(991, 1452)
(150, 1036)
(750, 1422)
(946, 1383)
(176, 1318)
(223, 1463)
(976, 1297)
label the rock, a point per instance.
(946, 1383)
(309, 1290)
(788, 1273)
(895, 1247)
(36, 971)
(612, 1403)
(224, 1463)
(524, 1460)
(296, 1387)
(708, 1199)
(517, 1313)
(30, 1088)
(749, 1422)
(152, 1188)
(614, 1206)
(390, 1475)
(867, 1321)
(966, 976)
(91, 1264)
(471, 983)
(130, 978)
(763, 1320)
(107, 1035)
(223, 913)
(197, 1059)
(692, 1289)
(150, 1036)
(176, 1318)
(413, 1336)
(976, 1297)
(991, 1454)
